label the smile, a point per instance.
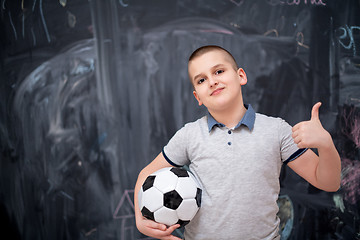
(216, 91)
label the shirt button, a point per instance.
(229, 143)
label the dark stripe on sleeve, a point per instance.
(295, 155)
(168, 160)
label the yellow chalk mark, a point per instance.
(272, 31)
(62, 2)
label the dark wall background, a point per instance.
(90, 91)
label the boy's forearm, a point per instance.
(141, 178)
(328, 171)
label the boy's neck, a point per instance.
(230, 118)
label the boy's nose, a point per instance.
(213, 82)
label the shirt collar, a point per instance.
(247, 120)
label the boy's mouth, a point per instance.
(216, 91)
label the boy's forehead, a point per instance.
(209, 59)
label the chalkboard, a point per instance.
(91, 91)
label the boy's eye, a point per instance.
(218, 72)
(201, 80)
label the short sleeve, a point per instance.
(175, 152)
(289, 150)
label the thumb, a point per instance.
(315, 111)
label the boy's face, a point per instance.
(217, 82)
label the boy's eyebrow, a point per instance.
(212, 68)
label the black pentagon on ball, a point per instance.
(182, 223)
(172, 200)
(180, 172)
(149, 182)
(147, 213)
(198, 197)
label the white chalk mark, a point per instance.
(67, 195)
(33, 7)
(123, 4)
(62, 2)
(237, 3)
(44, 23)
(349, 32)
(217, 31)
(90, 232)
(12, 25)
(71, 19)
(33, 36)
(23, 25)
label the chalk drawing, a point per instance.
(62, 2)
(272, 31)
(237, 2)
(33, 36)
(351, 180)
(33, 7)
(24, 23)
(352, 126)
(217, 31)
(296, 2)
(12, 25)
(123, 4)
(348, 36)
(300, 40)
(286, 215)
(124, 203)
(339, 202)
(124, 199)
(44, 22)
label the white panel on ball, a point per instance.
(186, 187)
(153, 199)
(166, 216)
(187, 209)
(166, 181)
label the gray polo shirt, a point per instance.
(238, 170)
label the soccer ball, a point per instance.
(169, 196)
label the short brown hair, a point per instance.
(204, 49)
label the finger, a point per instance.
(295, 133)
(172, 228)
(297, 126)
(168, 232)
(297, 140)
(155, 225)
(315, 111)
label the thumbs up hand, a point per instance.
(311, 134)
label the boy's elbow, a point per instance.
(337, 187)
(332, 188)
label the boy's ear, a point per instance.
(197, 98)
(242, 75)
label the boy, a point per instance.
(237, 155)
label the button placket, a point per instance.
(230, 137)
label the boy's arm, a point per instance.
(145, 226)
(323, 171)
